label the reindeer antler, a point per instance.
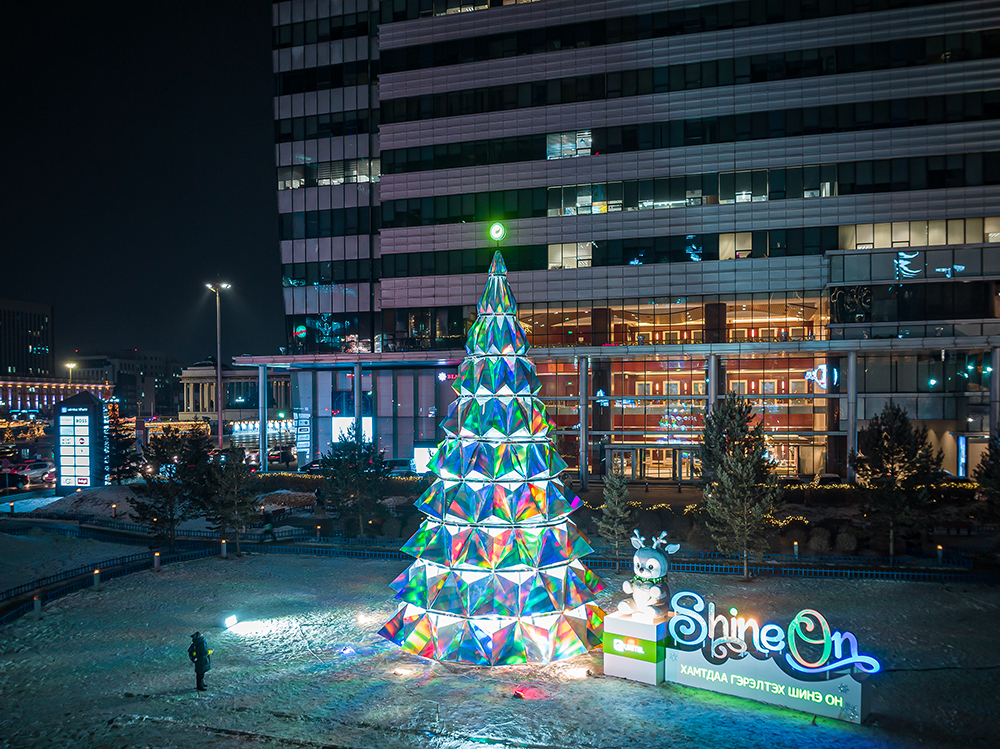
(637, 537)
(661, 539)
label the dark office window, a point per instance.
(756, 68)
(857, 116)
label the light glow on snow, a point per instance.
(255, 628)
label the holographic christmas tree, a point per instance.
(497, 579)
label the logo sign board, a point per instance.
(303, 435)
(81, 444)
(805, 665)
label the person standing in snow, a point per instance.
(200, 656)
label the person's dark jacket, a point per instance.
(198, 653)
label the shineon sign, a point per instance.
(805, 665)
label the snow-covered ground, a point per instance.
(38, 554)
(305, 668)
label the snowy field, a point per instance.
(38, 554)
(306, 669)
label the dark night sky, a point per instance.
(139, 164)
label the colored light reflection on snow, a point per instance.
(529, 692)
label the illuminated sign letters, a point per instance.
(823, 376)
(806, 665)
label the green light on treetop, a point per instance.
(497, 231)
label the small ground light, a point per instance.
(230, 621)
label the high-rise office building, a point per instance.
(26, 348)
(796, 200)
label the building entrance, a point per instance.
(652, 463)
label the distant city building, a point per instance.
(147, 383)
(34, 397)
(240, 412)
(796, 201)
(26, 339)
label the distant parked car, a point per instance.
(35, 470)
(11, 480)
(315, 467)
(827, 479)
(791, 481)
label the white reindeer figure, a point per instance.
(649, 589)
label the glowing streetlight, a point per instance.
(71, 365)
(216, 288)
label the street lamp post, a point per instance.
(70, 366)
(216, 288)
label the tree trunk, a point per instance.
(236, 527)
(892, 539)
(361, 524)
(746, 563)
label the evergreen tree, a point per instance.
(357, 477)
(177, 489)
(740, 487)
(232, 502)
(896, 468)
(122, 458)
(617, 518)
(987, 475)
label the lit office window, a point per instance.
(568, 145)
(571, 255)
(348, 171)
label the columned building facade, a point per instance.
(797, 201)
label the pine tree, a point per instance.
(357, 478)
(896, 468)
(987, 475)
(617, 519)
(497, 578)
(740, 487)
(177, 489)
(122, 458)
(232, 502)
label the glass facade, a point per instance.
(815, 228)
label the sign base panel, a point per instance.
(635, 647)
(841, 697)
